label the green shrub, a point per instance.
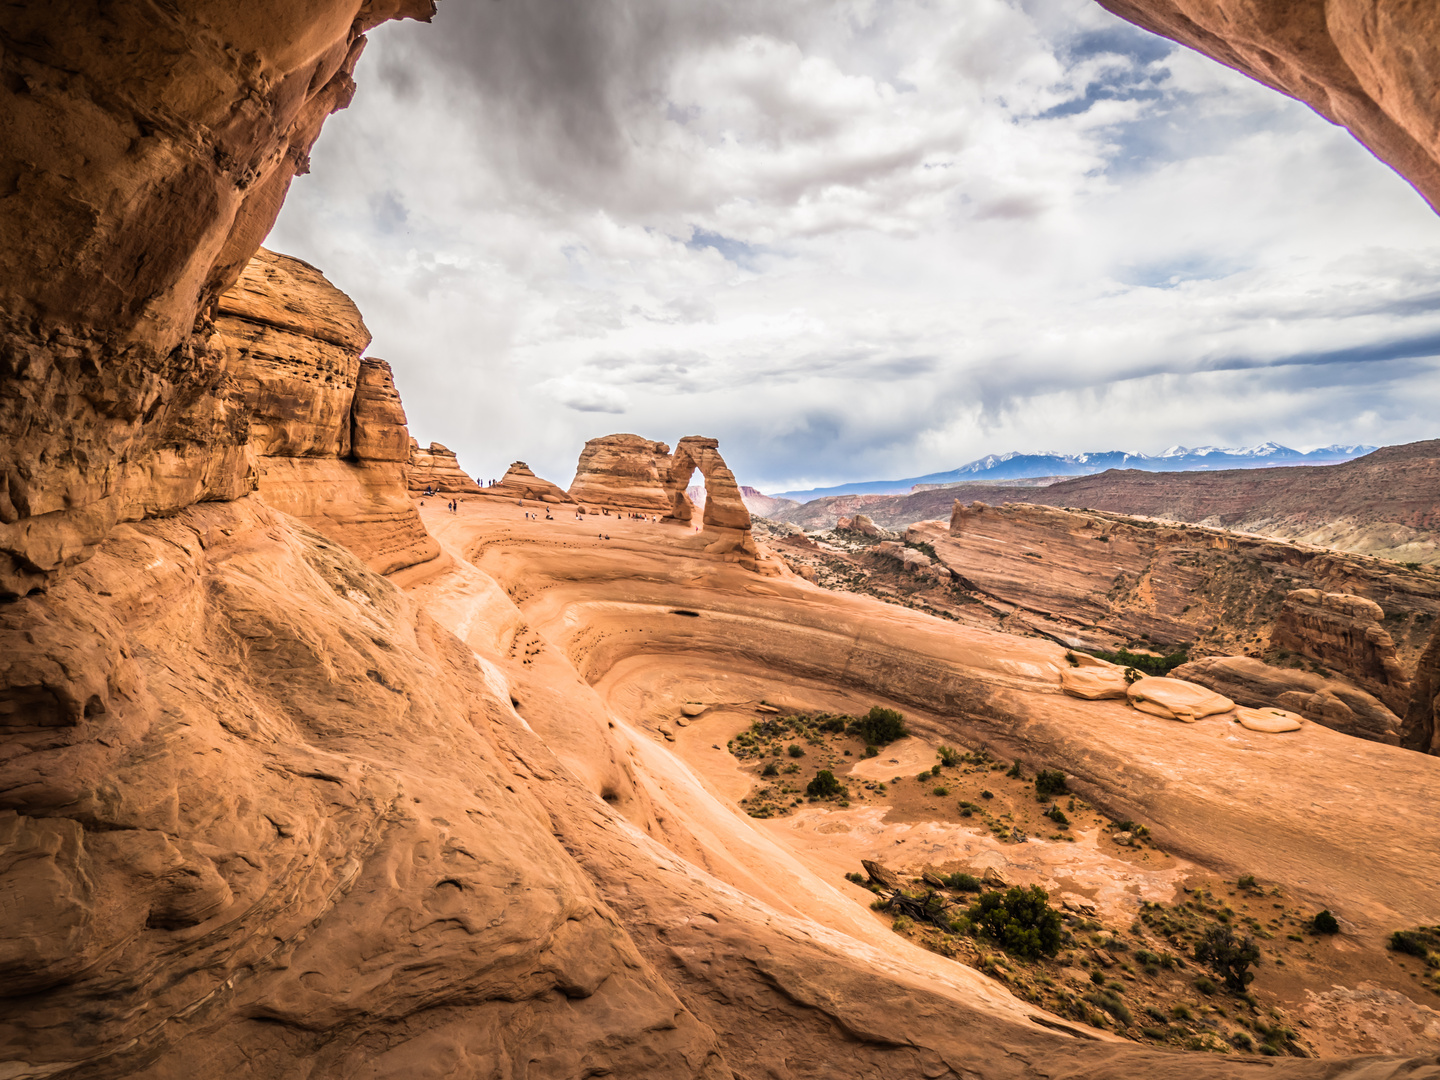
(1097, 977)
(901, 923)
(1206, 985)
(1014, 773)
(824, 786)
(1072, 659)
(987, 794)
(833, 725)
(949, 756)
(1057, 815)
(871, 751)
(1021, 921)
(941, 790)
(1242, 1040)
(792, 768)
(771, 769)
(1247, 881)
(1228, 956)
(1112, 1004)
(1049, 783)
(1144, 663)
(1324, 923)
(963, 883)
(934, 770)
(1417, 942)
(880, 726)
(795, 750)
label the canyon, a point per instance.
(299, 777)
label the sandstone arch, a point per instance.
(724, 508)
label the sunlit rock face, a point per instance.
(624, 471)
(147, 151)
(1369, 66)
(328, 440)
(436, 468)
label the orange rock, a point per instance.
(1174, 699)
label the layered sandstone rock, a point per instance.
(437, 469)
(1344, 633)
(150, 150)
(1368, 66)
(1331, 702)
(1176, 699)
(1422, 719)
(624, 472)
(724, 507)
(328, 439)
(519, 482)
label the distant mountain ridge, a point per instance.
(1018, 466)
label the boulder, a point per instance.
(692, 708)
(1329, 702)
(994, 879)
(1094, 683)
(1175, 699)
(880, 874)
(1272, 721)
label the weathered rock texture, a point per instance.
(1369, 66)
(1422, 719)
(147, 151)
(1332, 702)
(624, 472)
(1095, 580)
(1344, 633)
(520, 482)
(328, 441)
(438, 469)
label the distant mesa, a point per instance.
(1053, 466)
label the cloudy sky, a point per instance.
(858, 239)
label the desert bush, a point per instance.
(795, 750)
(772, 768)
(1324, 923)
(934, 770)
(1057, 815)
(1144, 662)
(1021, 921)
(1049, 783)
(1072, 659)
(1112, 1004)
(871, 751)
(987, 794)
(1229, 956)
(940, 790)
(949, 756)
(880, 726)
(1205, 984)
(1097, 977)
(791, 769)
(963, 882)
(833, 725)
(901, 923)
(824, 785)
(1014, 772)
(1417, 942)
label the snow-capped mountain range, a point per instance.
(1020, 466)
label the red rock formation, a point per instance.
(1369, 66)
(1422, 720)
(624, 472)
(520, 483)
(724, 507)
(149, 150)
(328, 439)
(1344, 633)
(439, 470)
